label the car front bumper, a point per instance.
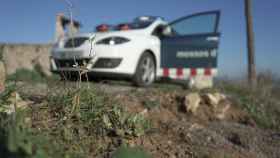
(105, 60)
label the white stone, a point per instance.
(211, 99)
(192, 102)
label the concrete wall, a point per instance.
(18, 56)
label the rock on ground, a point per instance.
(192, 102)
(213, 106)
(213, 99)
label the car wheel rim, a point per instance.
(148, 71)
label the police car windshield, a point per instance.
(138, 23)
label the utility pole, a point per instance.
(252, 77)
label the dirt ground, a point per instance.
(176, 133)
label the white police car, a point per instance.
(144, 50)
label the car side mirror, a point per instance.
(167, 31)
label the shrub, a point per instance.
(101, 116)
(27, 76)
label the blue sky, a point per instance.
(33, 21)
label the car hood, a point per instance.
(127, 33)
(96, 36)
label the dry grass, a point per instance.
(262, 102)
(70, 123)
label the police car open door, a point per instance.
(189, 46)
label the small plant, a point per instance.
(17, 139)
(151, 104)
(6, 94)
(98, 114)
(126, 152)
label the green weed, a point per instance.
(126, 152)
(151, 104)
(27, 76)
(71, 123)
(83, 117)
(99, 114)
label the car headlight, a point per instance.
(113, 41)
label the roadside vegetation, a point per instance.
(75, 120)
(262, 102)
(72, 123)
(31, 76)
(27, 76)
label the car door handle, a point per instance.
(212, 39)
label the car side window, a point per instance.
(199, 24)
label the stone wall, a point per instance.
(25, 56)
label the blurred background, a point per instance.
(33, 22)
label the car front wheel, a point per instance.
(146, 70)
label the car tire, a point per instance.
(146, 70)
